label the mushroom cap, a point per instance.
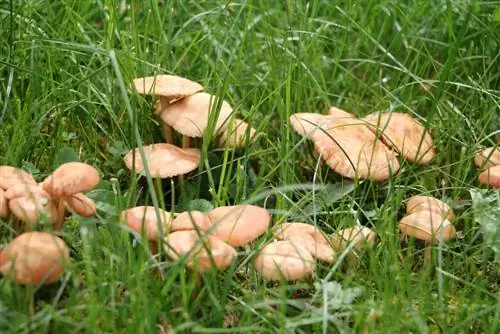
(490, 177)
(306, 124)
(202, 254)
(4, 205)
(285, 230)
(24, 190)
(354, 150)
(164, 160)
(239, 224)
(81, 204)
(10, 176)
(171, 87)
(404, 134)
(428, 203)
(489, 157)
(190, 116)
(318, 250)
(360, 235)
(235, 135)
(144, 217)
(427, 226)
(187, 220)
(284, 259)
(30, 208)
(339, 113)
(34, 258)
(71, 178)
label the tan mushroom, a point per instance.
(357, 236)
(419, 203)
(4, 205)
(190, 116)
(32, 207)
(202, 252)
(488, 157)
(339, 113)
(284, 259)
(427, 226)
(404, 134)
(191, 220)
(34, 258)
(490, 177)
(306, 124)
(80, 204)
(11, 176)
(24, 190)
(239, 224)
(237, 134)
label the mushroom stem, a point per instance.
(61, 213)
(16, 225)
(427, 252)
(167, 132)
(186, 142)
(28, 295)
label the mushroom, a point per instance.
(235, 135)
(190, 116)
(4, 205)
(488, 157)
(239, 224)
(191, 220)
(169, 88)
(81, 205)
(30, 207)
(202, 252)
(490, 177)
(284, 259)
(427, 226)
(67, 180)
(419, 203)
(404, 134)
(34, 258)
(357, 236)
(11, 176)
(306, 124)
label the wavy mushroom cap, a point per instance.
(237, 133)
(285, 230)
(11, 176)
(490, 177)
(71, 178)
(170, 87)
(203, 252)
(190, 220)
(419, 203)
(306, 124)
(144, 218)
(359, 235)
(284, 259)
(319, 250)
(31, 208)
(239, 224)
(353, 151)
(404, 134)
(488, 157)
(163, 160)
(4, 205)
(34, 258)
(190, 116)
(427, 226)
(81, 204)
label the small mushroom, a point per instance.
(191, 220)
(80, 204)
(488, 157)
(490, 177)
(235, 135)
(284, 259)
(419, 203)
(358, 236)
(32, 207)
(239, 224)
(34, 258)
(427, 226)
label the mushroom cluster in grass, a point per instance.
(489, 160)
(352, 148)
(428, 219)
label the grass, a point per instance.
(64, 95)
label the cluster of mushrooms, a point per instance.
(38, 257)
(182, 105)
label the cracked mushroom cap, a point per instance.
(187, 220)
(4, 205)
(31, 208)
(71, 178)
(144, 218)
(11, 176)
(419, 203)
(427, 226)
(284, 259)
(203, 252)
(490, 177)
(168, 87)
(239, 224)
(164, 160)
(235, 135)
(359, 235)
(190, 116)
(34, 258)
(81, 204)
(404, 134)
(489, 157)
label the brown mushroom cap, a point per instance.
(427, 203)
(427, 226)
(10, 176)
(81, 204)
(144, 218)
(164, 160)
(235, 135)
(489, 157)
(71, 178)
(404, 134)
(4, 205)
(490, 177)
(187, 220)
(170, 87)
(188, 243)
(239, 224)
(34, 258)
(284, 259)
(190, 116)
(30, 208)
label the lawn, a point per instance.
(65, 95)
